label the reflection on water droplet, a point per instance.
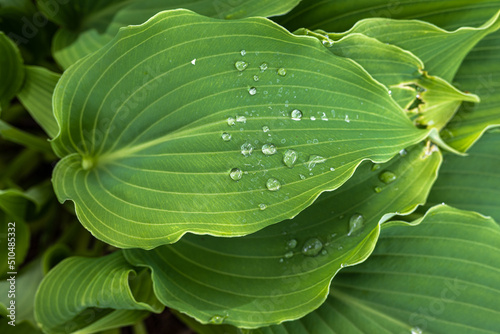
(262, 206)
(252, 91)
(265, 128)
(282, 71)
(324, 252)
(323, 117)
(296, 115)
(263, 67)
(355, 223)
(377, 189)
(292, 243)
(256, 78)
(312, 247)
(375, 167)
(241, 119)
(236, 174)
(243, 52)
(288, 254)
(246, 149)
(241, 65)
(231, 121)
(289, 158)
(403, 152)
(314, 160)
(193, 61)
(217, 319)
(302, 177)
(387, 177)
(332, 169)
(269, 149)
(226, 136)
(273, 184)
(347, 119)
(416, 330)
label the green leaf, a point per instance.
(22, 241)
(265, 277)
(93, 294)
(11, 70)
(94, 26)
(472, 182)
(12, 134)
(436, 277)
(142, 176)
(36, 96)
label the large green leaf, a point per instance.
(36, 96)
(272, 276)
(11, 70)
(438, 277)
(93, 294)
(96, 23)
(153, 123)
(472, 182)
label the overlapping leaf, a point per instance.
(272, 275)
(90, 25)
(152, 125)
(90, 295)
(11, 70)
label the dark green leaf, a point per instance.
(11, 70)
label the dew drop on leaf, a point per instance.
(292, 243)
(231, 121)
(265, 128)
(387, 177)
(282, 71)
(193, 61)
(377, 189)
(416, 330)
(252, 91)
(403, 152)
(217, 319)
(302, 177)
(312, 118)
(243, 53)
(375, 167)
(288, 254)
(273, 184)
(263, 67)
(312, 247)
(269, 149)
(226, 136)
(324, 252)
(241, 119)
(323, 117)
(246, 149)
(314, 160)
(289, 158)
(235, 174)
(347, 119)
(256, 78)
(296, 115)
(241, 65)
(262, 206)
(356, 222)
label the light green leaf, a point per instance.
(93, 294)
(472, 182)
(36, 96)
(103, 19)
(141, 176)
(265, 277)
(437, 277)
(11, 70)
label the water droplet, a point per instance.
(241, 65)
(256, 78)
(235, 174)
(323, 117)
(347, 119)
(416, 330)
(281, 260)
(312, 118)
(193, 61)
(226, 136)
(403, 152)
(262, 206)
(332, 169)
(246, 149)
(296, 115)
(282, 71)
(269, 149)
(375, 167)
(288, 254)
(324, 252)
(312, 247)
(292, 243)
(273, 184)
(314, 160)
(390, 92)
(355, 223)
(243, 52)
(265, 128)
(377, 189)
(241, 119)
(217, 319)
(252, 91)
(289, 158)
(263, 67)
(231, 121)
(387, 177)
(302, 177)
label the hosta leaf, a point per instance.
(472, 182)
(144, 171)
(441, 51)
(36, 96)
(12, 134)
(93, 294)
(400, 70)
(272, 275)
(11, 70)
(436, 277)
(105, 18)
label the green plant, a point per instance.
(328, 170)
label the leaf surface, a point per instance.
(272, 276)
(11, 70)
(152, 126)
